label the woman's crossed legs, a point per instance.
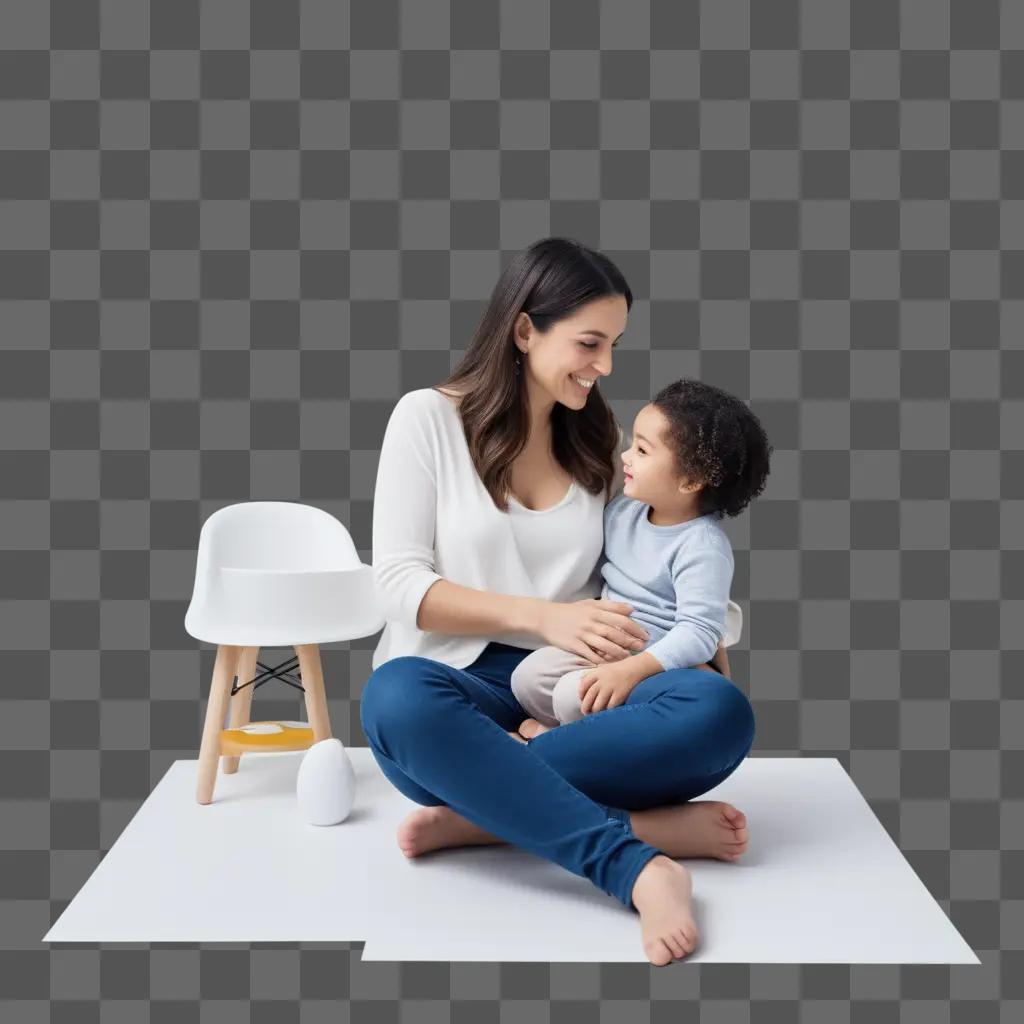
(439, 735)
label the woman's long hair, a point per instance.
(549, 280)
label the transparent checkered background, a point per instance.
(233, 237)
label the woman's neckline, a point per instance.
(564, 500)
(541, 511)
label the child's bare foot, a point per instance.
(436, 828)
(530, 727)
(698, 828)
(661, 893)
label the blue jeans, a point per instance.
(439, 735)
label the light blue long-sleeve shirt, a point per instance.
(677, 578)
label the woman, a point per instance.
(487, 533)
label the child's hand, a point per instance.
(606, 686)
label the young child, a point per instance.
(698, 454)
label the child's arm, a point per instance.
(702, 577)
(640, 666)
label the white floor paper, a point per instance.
(244, 868)
(821, 881)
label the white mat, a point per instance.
(244, 868)
(821, 881)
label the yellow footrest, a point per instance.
(266, 737)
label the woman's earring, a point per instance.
(518, 363)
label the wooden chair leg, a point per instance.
(216, 706)
(313, 683)
(241, 703)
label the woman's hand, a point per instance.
(599, 631)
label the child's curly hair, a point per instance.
(717, 440)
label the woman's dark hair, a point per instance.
(549, 280)
(717, 440)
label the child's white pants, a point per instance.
(546, 683)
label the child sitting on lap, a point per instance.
(698, 454)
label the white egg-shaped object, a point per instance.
(326, 783)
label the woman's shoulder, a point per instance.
(418, 414)
(436, 396)
(427, 412)
(427, 399)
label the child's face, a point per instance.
(649, 462)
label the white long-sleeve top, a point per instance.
(434, 519)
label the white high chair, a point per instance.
(272, 574)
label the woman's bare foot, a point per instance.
(437, 828)
(698, 828)
(661, 893)
(530, 727)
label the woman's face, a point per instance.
(578, 347)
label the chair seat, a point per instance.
(283, 607)
(266, 737)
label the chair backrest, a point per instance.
(275, 535)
